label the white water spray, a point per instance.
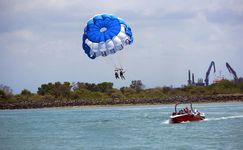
(224, 118)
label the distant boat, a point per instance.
(186, 114)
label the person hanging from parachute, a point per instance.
(122, 74)
(106, 34)
(116, 74)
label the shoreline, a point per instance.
(220, 98)
(119, 105)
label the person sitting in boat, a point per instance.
(197, 112)
(186, 110)
(181, 112)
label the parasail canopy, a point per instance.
(105, 34)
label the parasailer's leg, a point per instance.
(123, 77)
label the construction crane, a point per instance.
(232, 71)
(208, 72)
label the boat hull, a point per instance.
(185, 118)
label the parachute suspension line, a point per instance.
(119, 59)
(113, 61)
(107, 61)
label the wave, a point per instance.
(223, 118)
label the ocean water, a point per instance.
(121, 127)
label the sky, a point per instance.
(41, 41)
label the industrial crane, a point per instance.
(232, 71)
(208, 72)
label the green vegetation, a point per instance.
(104, 92)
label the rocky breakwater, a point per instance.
(86, 102)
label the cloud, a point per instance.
(24, 35)
(44, 37)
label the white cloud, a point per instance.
(170, 37)
(17, 35)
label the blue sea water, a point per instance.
(121, 127)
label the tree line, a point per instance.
(106, 92)
(76, 90)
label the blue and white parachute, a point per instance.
(105, 34)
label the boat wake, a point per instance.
(166, 122)
(223, 118)
(210, 119)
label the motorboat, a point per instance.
(186, 115)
